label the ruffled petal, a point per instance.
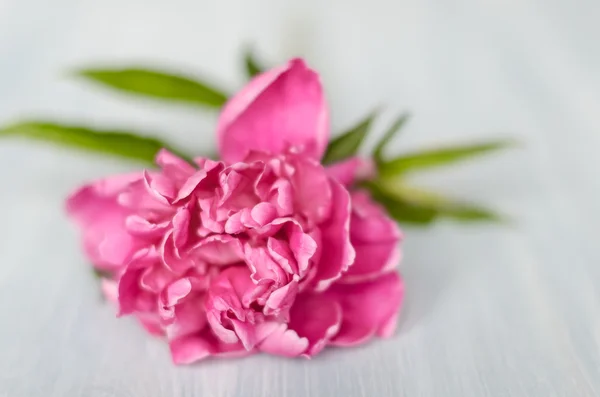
(173, 165)
(314, 321)
(284, 342)
(337, 253)
(229, 319)
(101, 219)
(219, 250)
(375, 237)
(312, 190)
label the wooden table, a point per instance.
(490, 311)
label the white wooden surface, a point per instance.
(490, 311)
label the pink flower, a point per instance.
(264, 251)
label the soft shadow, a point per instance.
(434, 260)
(423, 288)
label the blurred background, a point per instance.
(490, 310)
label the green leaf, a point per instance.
(347, 144)
(252, 65)
(100, 274)
(439, 157)
(387, 137)
(117, 143)
(407, 213)
(157, 84)
(411, 205)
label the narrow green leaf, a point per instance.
(157, 84)
(253, 67)
(387, 137)
(348, 143)
(117, 143)
(399, 208)
(470, 213)
(439, 157)
(405, 212)
(100, 274)
(411, 205)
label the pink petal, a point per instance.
(244, 98)
(375, 237)
(246, 333)
(109, 243)
(284, 342)
(316, 318)
(110, 289)
(351, 170)
(189, 349)
(234, 224)
(156, 277)
(337, 253)
(131, 297)
(160, 186)
(303, 247)
(221, 332)
(207, 164)
(312, 190)
(388, 327)
(188, 317)
(263, 266)
(281, 253)
(174, 259)
(237, 183)
(181, 226)
(172, 164)
(202, 182)
(314, 321)
(224, 306)
(210, 216)
(101, 219)
(281, 108)
(369, 308)
(281, 299)
(139, 226)
(104, 188)
(372, 260)
(219, 250)
(282, 197)
(137, 196)
(175, 292)
(370, 222)
(190, 185)
(192, 348)
(151, 323)
(263, 213)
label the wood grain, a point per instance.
(490, 311)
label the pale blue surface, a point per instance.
(490, 311)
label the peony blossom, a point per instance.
(266, 250)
